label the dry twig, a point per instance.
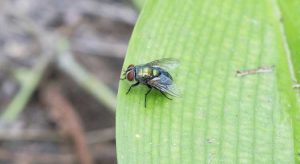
(240, 73)
(30, 135)
(68, 120)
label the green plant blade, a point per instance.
(291, 19)
(219, 118)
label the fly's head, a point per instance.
(129, 73)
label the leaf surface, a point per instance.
(219, 118)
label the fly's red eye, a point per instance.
(130, 75)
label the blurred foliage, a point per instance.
(77, 47)
(139, 3)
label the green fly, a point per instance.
(154, 75)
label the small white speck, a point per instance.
(255, 22)
(137, 135)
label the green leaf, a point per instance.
(291, 19)
(219, 118)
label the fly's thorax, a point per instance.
(146, 72)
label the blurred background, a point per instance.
(60, 63)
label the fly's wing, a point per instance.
(165, 63)
(164, 84)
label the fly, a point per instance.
(154, 75)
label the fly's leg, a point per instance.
(165, 95)
(133, 85)
(150, 88)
